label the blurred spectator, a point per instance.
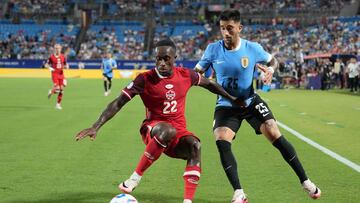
(353, 70)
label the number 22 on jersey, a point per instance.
(170, 107)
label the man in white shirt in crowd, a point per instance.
(353, 70)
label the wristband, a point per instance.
(271, 69)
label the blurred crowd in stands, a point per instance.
(303, 50)
(37, 6)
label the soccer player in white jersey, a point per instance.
(234, 60)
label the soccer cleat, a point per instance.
(239, 197)
(58, 106)
(106, 94)
(130, 184)
(313, 191)
(187, 201)
(49, 94)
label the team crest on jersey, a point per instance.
(245, 62)
(169, 86)
(170, 95)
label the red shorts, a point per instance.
(146, 128)
(58, 79)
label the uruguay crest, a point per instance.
(244, 62)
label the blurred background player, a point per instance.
(163, 91)
(108, 65)
(56, 64)
(234, 61)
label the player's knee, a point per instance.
(270, 125)
(224, 133)
(271, 130)
(164, 132)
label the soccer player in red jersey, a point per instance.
(56, 63)
(163, 91)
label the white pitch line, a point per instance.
(321, 148)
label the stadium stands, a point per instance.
(34, 41)
(297, 32)
(124, 41)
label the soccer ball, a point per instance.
(124, 198)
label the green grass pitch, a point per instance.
(41, 163)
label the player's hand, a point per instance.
(51, 69)
(91, 132)
(268, 74)
(240, 102)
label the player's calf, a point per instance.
(191, 180)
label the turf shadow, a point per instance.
(88, 197)
(79, 197)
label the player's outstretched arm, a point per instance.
(106, 115)
(218, 89)
(268, 70)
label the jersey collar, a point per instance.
(237, 48)
(158, 74)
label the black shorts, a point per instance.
(107, 77)
(257, 113)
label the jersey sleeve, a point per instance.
(205, 61)
(195, 77)
(261, 55)
(135, 87)
(49, 61)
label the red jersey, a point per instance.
(164, 97)
(57, 63)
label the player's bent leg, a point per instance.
(109, 84)
(270, 129)
(105, 86)
(189, 148)
(224, 137)
(162, 134)
(53, 90)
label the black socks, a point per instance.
(289, 154)
(105, 86)
(228, 162)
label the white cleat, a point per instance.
(187, 201)
(58, 106)
(313, 191)
(239, 197)
(106, 94)
(130, 184)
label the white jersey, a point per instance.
(353, 70)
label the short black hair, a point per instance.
(166, 42)
(230, 14)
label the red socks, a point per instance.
(191, 179)
(59, 97)
(152, 152)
